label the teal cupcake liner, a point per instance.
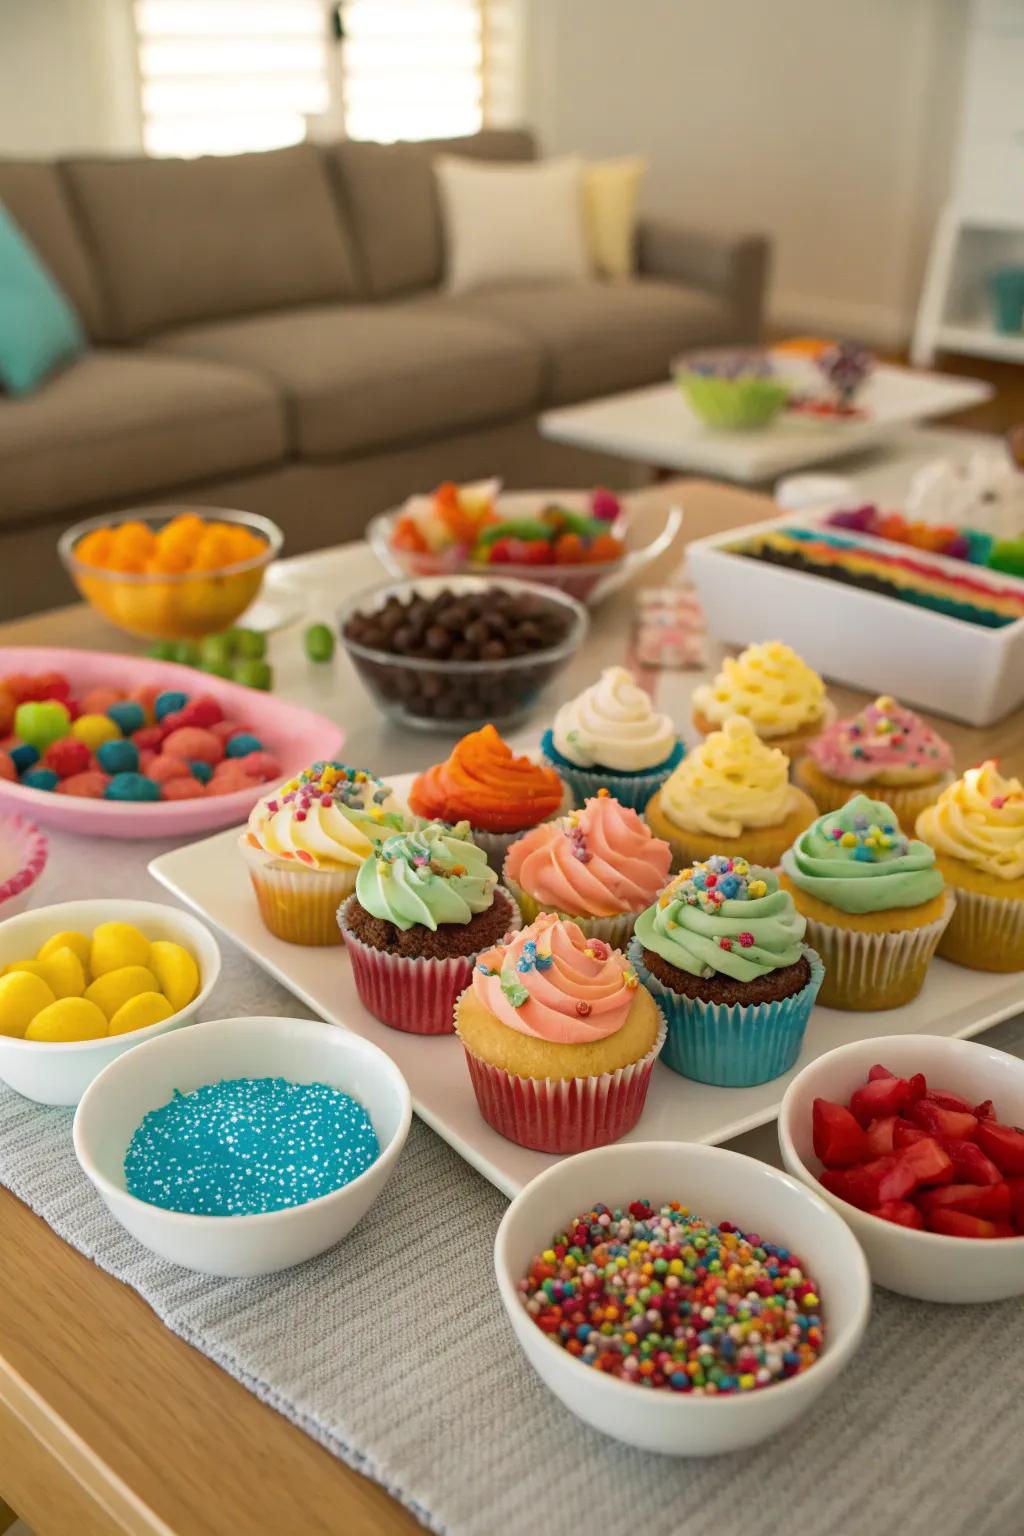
(630, 789)
(731, 1045)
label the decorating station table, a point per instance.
(388, 1359)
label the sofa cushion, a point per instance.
(366, 376)
(32, 192)
(392, 200)
(130, 424)
(179, 241)
(601, 337)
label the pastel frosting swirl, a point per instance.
(600, 861)
(613, 724)
(432, 876)
(725, 917)
(980, 819)
(731, 781)
(330, 817)
(884, 744)
(858, 860)
(484, 783)
(552, 982)
(770, 685)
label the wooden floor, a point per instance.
(1004, 410)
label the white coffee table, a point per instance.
(656, 427)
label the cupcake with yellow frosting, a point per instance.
(731, 795)
(611, 737)
(305, 842)
(769, 685)
(977, 830)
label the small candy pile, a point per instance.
(706, 884)
(462, 522)
(151, 744)
(239, 655)
(662, 1298)
(188, 543)
(248, 1145)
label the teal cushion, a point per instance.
(38, 327)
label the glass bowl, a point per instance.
(171, 605)
(460, 695)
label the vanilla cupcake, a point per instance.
(769, 685)
(732, 796)
(611, 737)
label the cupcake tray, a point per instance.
(210, 877)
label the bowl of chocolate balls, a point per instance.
(460, 651)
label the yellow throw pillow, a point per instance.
(610, 192)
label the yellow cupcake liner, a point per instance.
(867, 971)
(906, 800)
(616, 931)
(298, 905)
(986, 932)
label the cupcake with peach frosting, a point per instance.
(731, 795)
(611, 736)
(600, 865)
(976, 828)
(783, 698)
(559, 1037)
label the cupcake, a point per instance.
(425, 904)
(886, 751)
(500, 795)
(778, 693)
(610, 736)
(721, 951)
(874, 901)
(600, 866)
(305, 842)
(977, 830)
(559, 1038)
(731, 796)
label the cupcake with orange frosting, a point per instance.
(600, 866)
(610, 736)
(976, 828)
(886, 752)
(485, 783)
(781, 696)
(560, 1038)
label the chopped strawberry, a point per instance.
(993, 1201)
(947, 1124)
(879, 1136)
(838, 1139)
(917, 1087)
(959, 1224)
(904, 1134)
(902, 1212)
(924, 1162)
(877, 1072)
(1016, 1188)
(970, 1165)
(1004, 1144)
(985, 1110)
(879, 1097)
(948, 1100)
(859, 1186)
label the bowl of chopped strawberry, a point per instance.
(917, 1141)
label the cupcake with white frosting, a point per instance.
(611, 737)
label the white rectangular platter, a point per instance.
(211, 878)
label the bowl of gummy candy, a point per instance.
(122, 746)
(84, 981)
(170, 573)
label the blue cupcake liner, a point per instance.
(632, 789)
(731, 1045)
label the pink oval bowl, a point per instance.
(294, 735)
(23, 853)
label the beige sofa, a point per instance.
(270, 332)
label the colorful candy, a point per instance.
(463, 522)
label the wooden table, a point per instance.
(108, 1422)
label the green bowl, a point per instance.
(734, 405)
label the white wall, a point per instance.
(825, 123)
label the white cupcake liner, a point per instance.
(616, 931)
(986, 932)
(297, 904)
(869, 971)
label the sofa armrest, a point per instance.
(734, 268)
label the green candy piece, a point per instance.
(253, 673)
(223, 669)
(215, 648)
(319, 642)
(514, 528)
(186, 652)
(248, 644)
(161, 650)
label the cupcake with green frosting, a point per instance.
(425, 904)
(875, 902)
(722, 952)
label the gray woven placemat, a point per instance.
(392, 1350)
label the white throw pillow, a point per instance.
(512, 223)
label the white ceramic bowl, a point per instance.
(59, 1074)
(925, 1265)
(301, 1050)
(721, 1186)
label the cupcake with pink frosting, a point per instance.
(601, 866)
(887, 753)
(560, 1038)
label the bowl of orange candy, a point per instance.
(170, 573)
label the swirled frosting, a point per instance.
(552, 982)
(330, 817)
(432, 876)
(979, 819)
(857, 859)
(731, 781)
(885, 744)
(613, 724)
(482, 782)
(600, 861)
(770, 685)
(725, 917)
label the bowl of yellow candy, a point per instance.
(171, 573)
(84, 981)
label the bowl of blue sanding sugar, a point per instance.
(243, 1146)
